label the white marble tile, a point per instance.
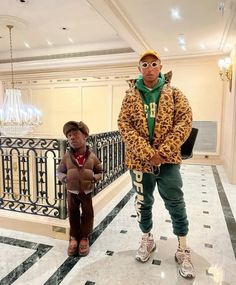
(46, 266)
(7, 262)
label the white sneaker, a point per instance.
(147, 246)
(183, 258)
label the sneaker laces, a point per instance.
(186, 259)
(144, 243)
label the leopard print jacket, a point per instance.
(172, 127)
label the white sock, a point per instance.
(182, 242)
(146, 234)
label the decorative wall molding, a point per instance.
(73, 75)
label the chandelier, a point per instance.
(16, 118)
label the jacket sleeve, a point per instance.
(137, 145)
(97, 166)
(97, 169)
(182, 125)
(62, 170)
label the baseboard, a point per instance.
(205, 159)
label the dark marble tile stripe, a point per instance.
(41, 249)
(229, 218)
(70, 262)
(19, 242)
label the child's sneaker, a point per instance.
(147, 246)
(73, 247)
(183, 258)
(84, 247)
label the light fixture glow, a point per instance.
(175, 14)
(181, 39)
(221, 7)
(49, 43)
(16, 119)
(27, 45)
(217, 273)
(182, 42)
(226, 70)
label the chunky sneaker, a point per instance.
(73, 247)
(147, 246)
(84, 247)
(183, 258)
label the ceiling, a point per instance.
(65, 33)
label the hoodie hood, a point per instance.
(139, 84)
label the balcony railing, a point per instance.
(28, 182)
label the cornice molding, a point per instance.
(73, 62)
(76, 75)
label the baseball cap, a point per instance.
(149, 52)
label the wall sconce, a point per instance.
(226, 70)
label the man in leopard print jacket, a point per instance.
(154, 121)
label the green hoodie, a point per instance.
(150, 101)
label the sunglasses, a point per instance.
(153, 64)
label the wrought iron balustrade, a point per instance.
(28, 181)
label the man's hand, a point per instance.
(156, 159)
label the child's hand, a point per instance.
(62, 177)
(97, 177)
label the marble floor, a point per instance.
(28, 259)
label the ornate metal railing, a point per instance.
(28, 181)
(110, 150)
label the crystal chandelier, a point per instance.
(16, 118)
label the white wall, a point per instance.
(97, 103)
(228, 136)
(199, 79)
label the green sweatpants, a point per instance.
(169, 184)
